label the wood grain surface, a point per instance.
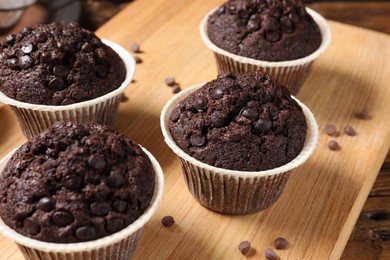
(323, 199)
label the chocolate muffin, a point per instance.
(240, 122)
(57, 64)
(75, 183)
(268, 30)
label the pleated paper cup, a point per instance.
(291, 74)
(120, 245)
(230, 191)
(34, 118)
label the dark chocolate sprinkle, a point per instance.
(349, 130)
(97, 161)
(46, 204)
(27, 48)
(72, 182)
(330, 130)
(170, 81)
(334, 145)
(25, 62)
(197, 139)
(120, 205)
(176, 89)
(134, 47)
(85, 233)
(244, 247)
(100, 208)
(56, 84)
(167, 221)
(201, 103)
(62, 218)
(114, 225)
(280, 243)
(31, 227)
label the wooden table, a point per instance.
(369, 240)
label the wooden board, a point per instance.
(322, 200)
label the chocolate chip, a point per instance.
(10, 39)
(197, 140)
(85, 233)
(31, 227)
(45, 57)
(57, 84)
(217, 119)
(60, 71)
(25, 62)
(97, 161)
(100, 208)
(349, 130)
(170, 81)
(27, 48)
(72, 182)
(270, 24)
(217, 93)
(273, 36)
(124, 98)
(293, 16)
(120, 205)
(116, 147)
(249, 113)
(137, 59)
(102, 71)
(229, 75)
(167, 221)
(270, 254)
(280, 243)
(175, 115)
(114, 225)
(101, 53)
(220, 10)
(334, 145)
(176, 89)
(364, 115)
(274, 12)
(62, 218)
(3, 56)
(46, 204)
(41, 37)
(330, 130)
(201, 103)
(253, 23)
(87, 47)
(13, 64)
(116, 179)
(25, 30)
(262, 126)
(134, 47)
(287, 24)
(244, 247)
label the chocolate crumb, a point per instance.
(363, 114)
(170, 81)
(134, 47)
(270, 254)
(137, 59)
(176, 89)
(280, 243)
(244, 247)
(334, 146)
(330, 130)
(349, 130)
(124, 98)
(167, 221)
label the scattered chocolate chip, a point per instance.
(72, 182)
(293, 16)
(26, 30)
(13, 64)
(41, 37)
(120, 205)
(280, 243)
(270, 254)
(25, 62)
(201, 103)
(137, 59)
(244, 247)
(45, 57)
(217, 93)
(197, 140)
(364, 115)
(249, 113)
(46, 204)
(27, 48)
(116, 147)
(349, 130)
(175, 115)
(62, 218)
(85, 233)
(228, 74)
(57, 84)
(114, 225)
(330, 130)
(116, 179)
(176, 89)
(287, 25)
(262, 126)
(167, 221)
(97, 161)
(221, 10)
(10, 39)
(170, 81)
(334, 145)
(124, 98)
(217, 119)
(99, 208)
(60, 71)
(31, 227)
(134, 47)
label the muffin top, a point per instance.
(57, 64)
(269, 30)
(75, 183)
(240, 122)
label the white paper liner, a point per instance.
(120, 245)
(229, 191)
(292, 73)
(34, 118)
